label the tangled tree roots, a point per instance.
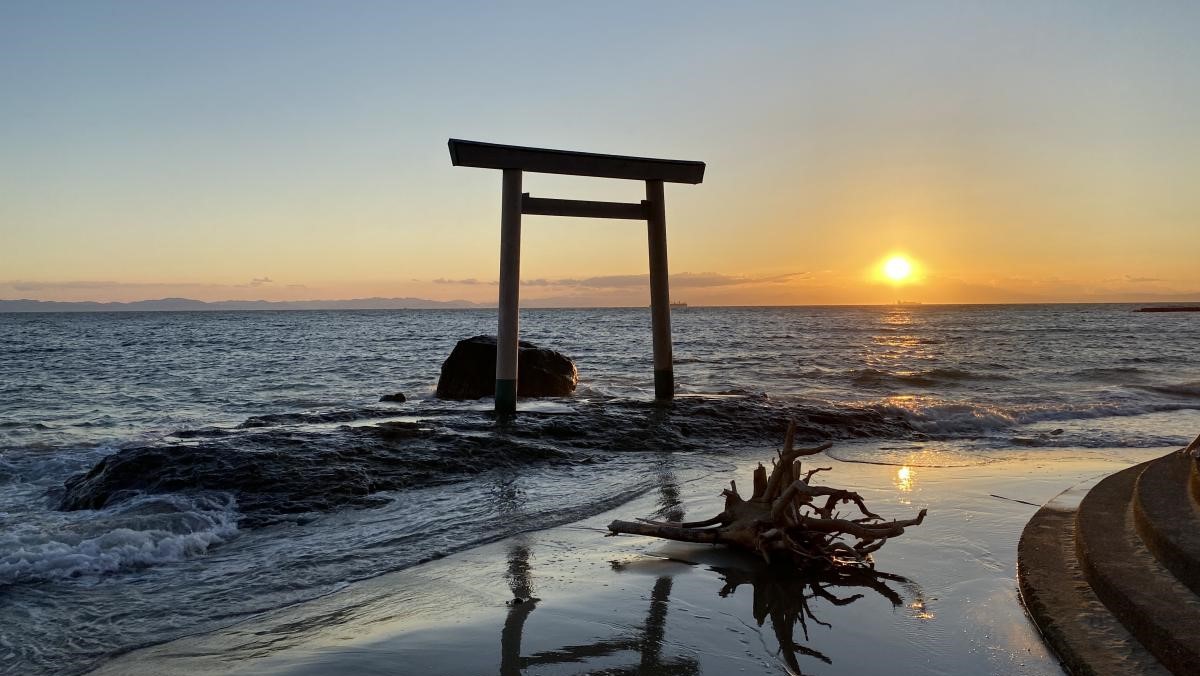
(787, 518)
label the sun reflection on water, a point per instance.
(920, 611)
(898, 317)
(905, 479)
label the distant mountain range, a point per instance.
(178, 304)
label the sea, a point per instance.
(168, 473)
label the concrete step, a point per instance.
(1194, 484)
(1168, 518)
(1162, 613)
(1076, 625)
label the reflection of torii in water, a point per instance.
(648, 640)
(520, 581)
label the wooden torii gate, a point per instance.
(514, 160)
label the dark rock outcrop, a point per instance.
(470, 371)
(283, 466)
(279, 471)
(397, 398)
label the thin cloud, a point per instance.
(1133, 279)
(19, 285)
(469, 281)
(684, 280)
(107, 290)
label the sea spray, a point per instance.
(144, 531)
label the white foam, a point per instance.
(938, 416)
(145, 531)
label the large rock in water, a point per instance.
(470, 371)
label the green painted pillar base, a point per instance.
(664, 384)
(506, 396)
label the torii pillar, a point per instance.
(514, 160)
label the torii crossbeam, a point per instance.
(514, 160)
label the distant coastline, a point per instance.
(1170, 308)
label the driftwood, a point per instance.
(787, 518)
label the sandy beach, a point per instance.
(944, 600)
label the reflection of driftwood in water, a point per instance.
(656, 626)
(787, 517)
(784, 597)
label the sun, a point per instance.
(897, 268)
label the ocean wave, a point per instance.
(936, 416)
(1154, 359)
(8, 471)
(145, 531)
(1187, 390)
(1099, 439)
(960, 418)
(311, 418)
(909, 456)
(16, 425)
(937, 377)
(1118, 374)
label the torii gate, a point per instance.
(514, 160)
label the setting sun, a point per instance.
(897, 268)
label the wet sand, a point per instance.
(945, 600)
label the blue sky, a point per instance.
(1039, 150)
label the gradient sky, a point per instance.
(1024, 151)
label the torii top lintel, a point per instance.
(546, 161)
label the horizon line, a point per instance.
(462, 304)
